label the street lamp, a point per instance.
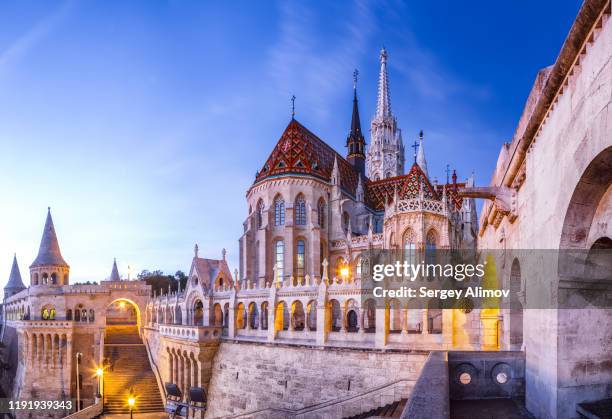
(131, 402)
(100, 374)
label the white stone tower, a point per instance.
(385, 157)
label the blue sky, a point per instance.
(142, 124)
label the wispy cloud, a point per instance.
(37, 33)
(302, 61)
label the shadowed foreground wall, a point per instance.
(250, 376)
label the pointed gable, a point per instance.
(208, 270)
(408, 187)
(300, 152)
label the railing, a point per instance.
(195, 333)
(346, 406)
(356, 241)
(416, 204)
(89, 412)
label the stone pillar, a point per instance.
(52, 352)
(271, 313)
(447, 328)
(343, 320)
(362, 314)
(424, 321)
(382, 327)
(404, 321)
(322, 314)
(231, 327)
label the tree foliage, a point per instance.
(160, 282)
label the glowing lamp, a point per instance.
(122, 305)
(131, 401)
(99, 372)
(344, 271)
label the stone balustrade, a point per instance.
(192, 333)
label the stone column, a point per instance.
(362, 314)
(425, 322)
(404, 321)
(343, 320)
(381, 328)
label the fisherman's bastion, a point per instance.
(291, 331)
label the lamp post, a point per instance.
(131, 403)
(78, 380)
(100, 374)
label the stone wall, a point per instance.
(567, 356)
(251, 376)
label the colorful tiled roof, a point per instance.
(299, 151)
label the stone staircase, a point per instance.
(130, 370)
(392, 410)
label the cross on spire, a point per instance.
(293, 107)
(415, 146)
(355, 75)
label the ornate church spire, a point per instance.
(114, 276)
(420, 160)
(355, 141)
(385, 156)
(15, 283)
(383, 105)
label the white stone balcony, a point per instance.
(192, 333)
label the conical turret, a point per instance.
(49, 251)
(114, 276)
(15, 283)
(49, 267)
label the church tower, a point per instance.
(49, 267)
(355, 141)
(385, 156)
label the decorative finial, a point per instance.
(196, 249)
(293, 107)
(223, 253)
(355, 75)
(383, 54)
(447, 172)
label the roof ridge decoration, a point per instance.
(49, 251)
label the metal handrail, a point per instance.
(322, 405)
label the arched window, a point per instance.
(358, 263)
(321, 213)
(69, 314)
(84, 315)
(300, 255)
(279, 211)
(279, 260)
(77, 315)
(409, 247)
(345, 221)
(91, 315)
(256, 263)
(430, 247)
(300, 210)
(259, 215)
